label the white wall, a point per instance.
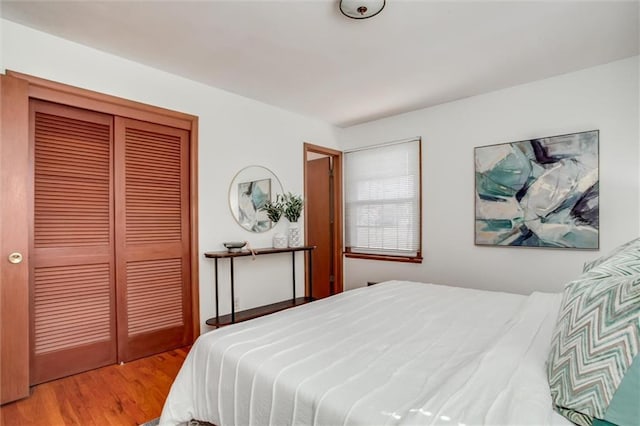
(234, 132)
(603, 97)
(1, 37)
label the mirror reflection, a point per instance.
(250, 189)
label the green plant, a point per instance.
(292, 207)
(274, 209)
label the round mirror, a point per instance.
(250, 189)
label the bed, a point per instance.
(396, 353)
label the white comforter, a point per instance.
(395, 353)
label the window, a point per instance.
(383, 201)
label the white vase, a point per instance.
(294, 235)
(279, 240)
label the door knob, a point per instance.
(15, 257)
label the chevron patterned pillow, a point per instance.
(594, 362)
(629, 248)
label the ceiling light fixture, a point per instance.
(361, 9)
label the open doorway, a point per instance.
(323, 217)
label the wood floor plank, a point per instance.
(128, 394)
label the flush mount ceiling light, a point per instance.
(361, 9)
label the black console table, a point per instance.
(219, 321)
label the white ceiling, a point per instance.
(304, 56)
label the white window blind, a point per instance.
(382, 199)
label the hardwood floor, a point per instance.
(128, 394)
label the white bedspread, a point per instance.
(394, 353)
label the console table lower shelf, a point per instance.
(257, 312)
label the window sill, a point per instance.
(405, 259)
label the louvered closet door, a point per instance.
(152, 238)
(72, 271)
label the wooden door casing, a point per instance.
(152, 235)
(73, 321)
(332, 197)
(14, 238)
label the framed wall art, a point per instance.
(539, 192)
(251, 198)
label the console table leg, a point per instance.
(233, 296)
(310, 275)
(216, 281)
(293, 263)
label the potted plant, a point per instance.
(291, 209)
(274, 210)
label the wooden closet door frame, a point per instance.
(47, 90)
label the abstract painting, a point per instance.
(251, 197)
(539, 192)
